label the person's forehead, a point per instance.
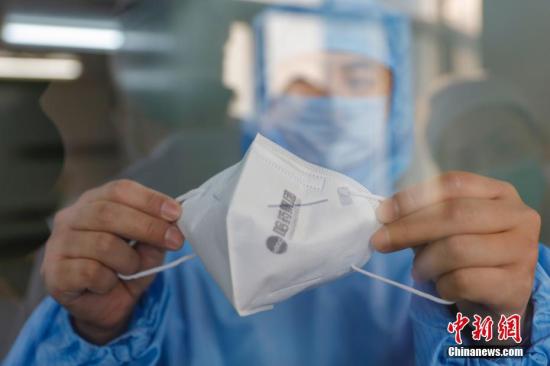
(350, 61)
(309, 45)
(328, 62)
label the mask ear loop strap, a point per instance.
(410, 289)
(372, 197)
(164, 267)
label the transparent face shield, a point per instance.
(326, 95)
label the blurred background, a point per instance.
(171, 90)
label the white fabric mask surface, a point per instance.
(273, 225)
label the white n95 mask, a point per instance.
(273, 225)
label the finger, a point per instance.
(465, 251)
(150, 257)
(71, 277)
(129, 223)
(137, 196)
(459, 216)
(108, 249)
(445, 187)
(497, 287)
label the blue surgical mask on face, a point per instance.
(345, 134)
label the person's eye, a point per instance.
(361, 84)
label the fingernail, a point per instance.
(170, 210)
(387, 211)
(173, 238)
(381, 239)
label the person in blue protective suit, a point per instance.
(473, 239)
(337, 99)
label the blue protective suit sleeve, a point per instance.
(431, 339)
(48, 337)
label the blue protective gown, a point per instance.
(184, 319)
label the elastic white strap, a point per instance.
(164, 267)
(158, 269)
(410, 289)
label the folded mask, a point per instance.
(274, 225)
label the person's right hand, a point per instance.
(87, 248)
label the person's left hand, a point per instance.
(473, 236)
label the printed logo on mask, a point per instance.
(276, 243)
